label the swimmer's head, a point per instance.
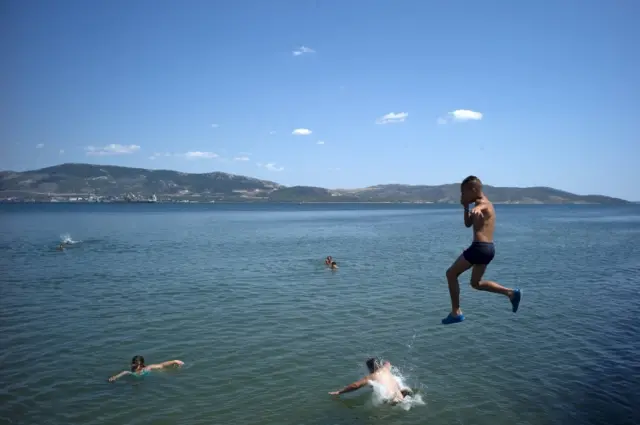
(471, 189)
(373, 365)
(137, 362)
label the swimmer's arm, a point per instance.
(353, 387)
(120, 375)
(165, 364)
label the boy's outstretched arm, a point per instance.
(120, 375)
(166, 364)
(355, 386)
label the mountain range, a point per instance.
(82, 180)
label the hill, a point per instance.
(106, 182)
(77, 180)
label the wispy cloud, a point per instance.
(215, 125)
(301, 132)
(241, 158)
(271, 166)
(112, 149)
(200, 155)
(392, 117)
(159, 154)
(320, 142)
(271, 133)
(61, 151)
(302, 50)
(40, 146)
(460, 115)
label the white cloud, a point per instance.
(215, 125)
(241, 158)
(301, 132)
(465, 115)
(272, 132)
(271, 166)
(61, 151)
(460, 115)
(200, 155)
(320, 142)
(302, 50)
(392, 117)
(159, 154)
(40, 146)
(112, 149)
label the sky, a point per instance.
(338, 94)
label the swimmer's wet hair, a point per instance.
(137, 360)
(472, 180)
(373, 364)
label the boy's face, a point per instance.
(468, 193)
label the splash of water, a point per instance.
(66, 239)
(381, 395)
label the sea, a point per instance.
(241, 295)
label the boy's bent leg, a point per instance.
(490, 286)
(460, 266)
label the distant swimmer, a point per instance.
(334, 265)
(328, 260)
(138, 368)
(480, 253)
(380, 374)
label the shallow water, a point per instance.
(239, 293)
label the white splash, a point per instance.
(66, 239)
(381, 396)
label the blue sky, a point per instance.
(519, 93)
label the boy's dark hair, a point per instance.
(373, 364)
(137, 360)
(333, 263)
(473, 181)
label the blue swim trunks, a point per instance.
(480, 253)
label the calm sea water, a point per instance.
(240, 294)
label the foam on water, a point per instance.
(381, 396)
(66, 238)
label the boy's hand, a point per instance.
(477, 211)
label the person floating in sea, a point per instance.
(334, 265)
(380, 374)
(138, 368)
(328, 260)
(61, 247)
(481, 252)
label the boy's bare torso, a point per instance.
(485, 222)
(385, 378)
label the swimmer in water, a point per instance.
(328, 260)
(60, 247)
(380, 374)
(334, 265)
(138, 368)
(480, 253)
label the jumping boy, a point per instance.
(478, 256)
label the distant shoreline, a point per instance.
(3, 202)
